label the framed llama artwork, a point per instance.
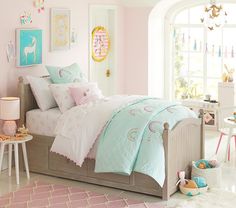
(29, 47)
(60, 29)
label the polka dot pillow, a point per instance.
(61, 94)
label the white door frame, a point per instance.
(114, 46)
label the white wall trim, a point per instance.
(113, 8)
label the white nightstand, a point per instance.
(15, 143)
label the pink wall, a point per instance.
(79, 20)
(136, 50)
(132, 42)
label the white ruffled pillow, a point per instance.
(62, 95)
(41, 92)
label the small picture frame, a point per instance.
(29, 47)
(60, 29)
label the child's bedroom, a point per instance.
(118, 104)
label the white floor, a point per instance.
(8, 184)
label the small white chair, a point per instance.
(224, 127)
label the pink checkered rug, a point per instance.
(45, 195)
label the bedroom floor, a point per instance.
(7, 184)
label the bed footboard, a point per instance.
(183, 144)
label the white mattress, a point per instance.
(42, 123)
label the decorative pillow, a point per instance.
(62, 95)
(67, 74)
(41, 92)
(87, 92)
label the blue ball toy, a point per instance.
(200, 181)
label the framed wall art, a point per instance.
(60, 29)
(100, 43)
(29, 47)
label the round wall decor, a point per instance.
(100, 43)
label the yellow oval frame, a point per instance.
(94, 56)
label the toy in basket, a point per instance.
(192, 187)
(210, 170)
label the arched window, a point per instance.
(199, 56)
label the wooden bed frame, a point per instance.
(183, 144)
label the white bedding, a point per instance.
(66, 148)
(42, 122)
(78, 128)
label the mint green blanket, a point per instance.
(132, 138)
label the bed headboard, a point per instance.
(27, 100)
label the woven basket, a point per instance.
(213, 176)
(191, 191)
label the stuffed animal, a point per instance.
(22, 130)
(200, 181)
(182, 181)
(191, 184)
(228, 76)
(213, 163)
(203, 164)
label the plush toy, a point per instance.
(191, 184)
(203, 164)
(213, 163)
(22, 130)
(182, 181)
(228, 76)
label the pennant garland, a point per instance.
(198, 46)
(219, 54)
(174, 33)
(195, 45)
(226, 52)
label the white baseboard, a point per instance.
(5, 161)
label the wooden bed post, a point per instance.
(22, 103)
(165, 189)
(27, 100)
(201, 116)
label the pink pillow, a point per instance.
(85, 93)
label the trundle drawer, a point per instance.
(62, 164)
(37, 156)
(106, 176)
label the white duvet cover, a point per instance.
(78, 128)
